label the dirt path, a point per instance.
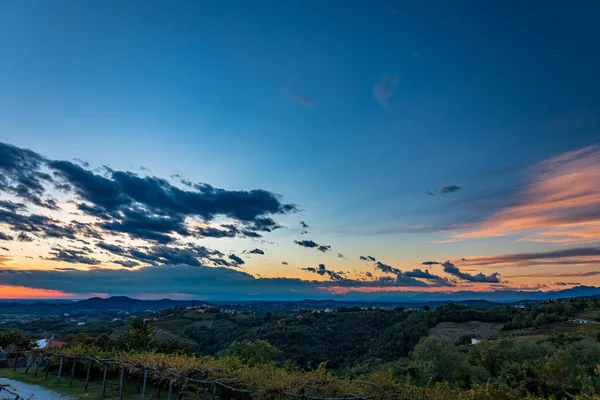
(26, 391)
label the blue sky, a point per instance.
(351, 110)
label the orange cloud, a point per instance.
(22, 292)
(560, 207)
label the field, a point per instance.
(453, 331)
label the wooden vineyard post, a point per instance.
(60, 365)
(170, 390)
(104, 380)
(214, 391)
(72, 372)
(47, 369)
(87, 378)
(144, 384)
(31, 363)
(16, 360)
(37, 366)
(121, 382)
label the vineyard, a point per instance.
(204, 377)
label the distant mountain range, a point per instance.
(95, 304)
(412, 299)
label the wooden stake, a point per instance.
(87, 378)
(144, 384)
(60, 364)
(104, 380)
(121, 382)
(37, 366)
(47, 369)
(72, 372)
(170, 390)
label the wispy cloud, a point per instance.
(298, 98)
(384, 89)
(561, 206)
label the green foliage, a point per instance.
(253, 353)
(435, 360)
(139, 337)
(16, 339)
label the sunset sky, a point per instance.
(297, 149)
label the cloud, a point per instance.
(367, 258)
(236, 260)
(303, 224)
(284, 263)
(384, 89)
(23, 237)
(566, 283)
(582, 274)
(386, 268)
(312, 244)
(451, 269)
(417, 273)
(4, 236)
(113, 205)
(321, 270)
(73, 256)
(561, 205)
(298, 98)
(430, 263)
(257, 251)
(569, 256)
(449, 189)
(340, 255)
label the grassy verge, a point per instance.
(77, 390)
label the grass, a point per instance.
(77, 390)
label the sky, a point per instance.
(297, 149)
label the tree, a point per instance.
(15, 338)
(252, 353)
(426, 308)
(139, 337)
(104, 342)
(174, 345)
(435, 360)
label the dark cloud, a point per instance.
(212, 232)
(324, 248)
(236, 260)
(386, 268)
(65, 269)
(127, 263)
(430, 193)
(23, 237)
(11, 206)
(340, 255)
(430, 263)
(321, 270)
(73, 256)
(313, 244)
(384, 89)
(284, 263)
(21, 175)
(4, 236)
(452, 269)
(257, 251)
(303, 224)
(82, 162)
(417, 273)
(566, 283)
(449, 189)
